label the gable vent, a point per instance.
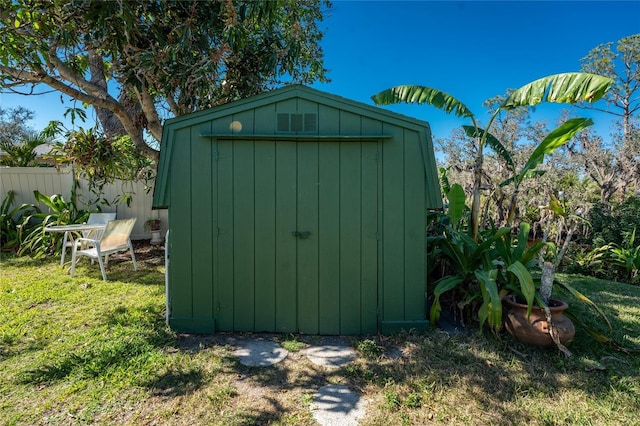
(304, 123)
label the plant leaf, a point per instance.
(422, 95)
(491, 309)
(493, 142)
(443, 285)
(527, 287)
(586, 300)
(569, 87)
(456, 199)
(554, 140)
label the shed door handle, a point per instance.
(303, 235)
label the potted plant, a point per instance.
(153, 225)
(482, 271)
(545, 324)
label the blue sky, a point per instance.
(472, 50)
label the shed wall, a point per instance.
(199, 247)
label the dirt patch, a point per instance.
(149, 253)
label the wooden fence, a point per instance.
(24, 180)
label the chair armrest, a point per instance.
(87, 241)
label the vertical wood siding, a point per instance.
(234, 204)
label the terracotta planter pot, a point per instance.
(535, 329)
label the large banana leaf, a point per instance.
(442, 286)
(581, 297)
(527, 287)
(457, 205)
(569, 87)
(553, 141)
(422, 95)
(493, 142)
(491, 308)
(523, 236)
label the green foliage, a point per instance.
(481, 272)
(614, 224)
(517, 259)
(369, 349)
(22, 154)
(37, 242)
(17, 141)
(456, 207)
(473, 274)
(423, 95)
(564, 88)
(626, 259)
(560, 88)
(219, 52)
(13, 222)
(291, 343)
(102, 160)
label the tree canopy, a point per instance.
(140, 62)
(615, 165)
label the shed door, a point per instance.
(297, 237)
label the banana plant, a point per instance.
(561, 88)
(549, 144)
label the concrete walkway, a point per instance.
(260, 352)
(330, 352)
(333, 405)
(337, 405)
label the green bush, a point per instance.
(13, 222)
(614, 225)
(37, 242)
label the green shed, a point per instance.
(296, 211)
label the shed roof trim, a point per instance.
(295, 137)
(301, 92)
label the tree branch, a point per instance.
(109, 103)
(67, 74)
(154, 125)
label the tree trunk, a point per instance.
(477, 182)
(111, 124)
(546, 280)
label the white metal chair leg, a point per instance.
(133, 257)
(64, 247)
(73, 260)
(101, 262)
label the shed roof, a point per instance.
(295, 91)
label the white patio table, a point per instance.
(72, 231)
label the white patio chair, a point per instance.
(94, 219)
(115, 238)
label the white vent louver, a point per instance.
(299, 123)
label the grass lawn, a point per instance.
(84, 351)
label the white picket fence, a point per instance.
(48, 180)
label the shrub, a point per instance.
(614, 225)
(13, 221)
(36, 241)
